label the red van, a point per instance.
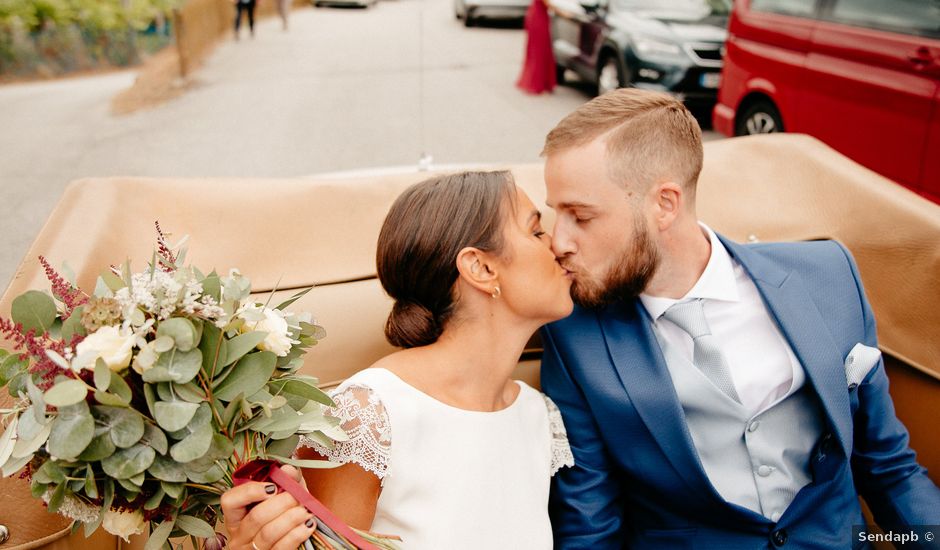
(861, 75)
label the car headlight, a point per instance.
(656, 47)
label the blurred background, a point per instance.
(168, 88)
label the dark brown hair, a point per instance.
(423, 232)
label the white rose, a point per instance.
(123, 524)
(107, 343)
(268, 320)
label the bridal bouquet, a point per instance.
(135, 404)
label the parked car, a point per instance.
(472, 10)
(668, 45)
(861, 75)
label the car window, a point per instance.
(684, 8)
(799, 8)
(919, 17)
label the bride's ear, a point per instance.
(477, 269)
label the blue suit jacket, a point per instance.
(638, 482)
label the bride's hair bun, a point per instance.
(427, 226)
(411, 325)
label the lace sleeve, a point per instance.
(364, 419)
(561, 451)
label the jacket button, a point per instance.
(779, 537)
(4, 534)
(765, 471)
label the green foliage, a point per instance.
(100, 15)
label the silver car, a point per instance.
(471, 10)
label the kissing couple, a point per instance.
(700, 393)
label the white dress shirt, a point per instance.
(762, 364)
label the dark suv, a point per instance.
(668, 45)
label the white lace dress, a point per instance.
(451, 478)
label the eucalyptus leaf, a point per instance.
(127, 463)
(214, 349)
(194, 446)
(113, 282)
(155, 500)
(167, 470)
(37, 398)
(109, 399)
(66, 393)
(7, 442)
(150, 397)
(173, 490)
(154, 437)
(132, 490)
(34, 310)
(91, 487)
(120, 388)
(102, 375)
(100, 447)
(175, 366)
(57, 498)
(72, 431)
(50, 472)
(248, 376)
(284, 447)
(181, 330)
(125, 426)
(213, 474)
(28, 426)
(239, 346)
(220, 449)
(195, 526)
(73, 325)
(303, 389)
(27, 447)
(323, 464)
(138, 480)
(283, 305)
(174, 415)
(14, 465)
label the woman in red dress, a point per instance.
(538, 72)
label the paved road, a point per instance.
(343, 89)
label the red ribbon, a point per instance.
(270, 471)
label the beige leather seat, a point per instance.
(306, 231)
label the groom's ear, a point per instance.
(477, 268)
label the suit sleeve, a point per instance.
(885, 468)
(585, 504)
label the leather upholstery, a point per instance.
(323, 232)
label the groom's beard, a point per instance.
(625, 280)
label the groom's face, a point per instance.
(601, 234)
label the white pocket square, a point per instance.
(859, 363)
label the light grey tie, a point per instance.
(706, 355)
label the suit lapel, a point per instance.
(642, 370)
(789, 302)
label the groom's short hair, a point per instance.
(651, 137)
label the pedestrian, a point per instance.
(283, 9)
(538, 70)
(248, 8)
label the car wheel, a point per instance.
(560, 74)
(468, 18)
(610, 76)
(761, 117)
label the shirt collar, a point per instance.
(717, 282)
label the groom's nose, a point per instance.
(562, 243)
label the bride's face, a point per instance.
(532, 283)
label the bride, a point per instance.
(446, 450)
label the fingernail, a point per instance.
(270, 488)
(310, 523)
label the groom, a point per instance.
(715, 395)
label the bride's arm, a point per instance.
(348, 491)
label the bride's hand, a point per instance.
(276, 522)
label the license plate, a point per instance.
(710, 80)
